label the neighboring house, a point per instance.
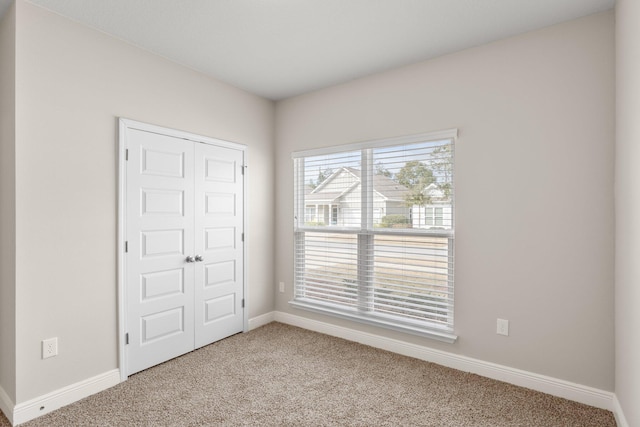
(336, 201)
(437, 213)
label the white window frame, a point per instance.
(365, 236)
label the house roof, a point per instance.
(385, 186)
(324, 197)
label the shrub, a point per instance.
(313, 223)
(395, 221)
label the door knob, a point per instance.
(190, 259)
(199, 258)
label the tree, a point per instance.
(382, 170)
(416, 176)
(417, 198)
(322, 176)
(441, 164)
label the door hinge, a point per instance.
(243, 167)
(242, 302)
(126, 247)
(126, 338)
(242, 237)
(126, 154)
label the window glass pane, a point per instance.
(406, 179)
(332, 184)
(411, 277)
(327, 267)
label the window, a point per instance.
(309, 214)
(438, 217)
(434, 216)
(428, 216)
(383, 254)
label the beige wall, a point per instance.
(74, 82)
(627, 289)
(534, 200)
(7, 204)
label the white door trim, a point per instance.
(123, 125)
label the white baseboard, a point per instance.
(553, 386)
(6, 405)
(256, 322)
(621, 420)
(34, 408)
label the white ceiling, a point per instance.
(282, 48)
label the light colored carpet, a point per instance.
(279, 375)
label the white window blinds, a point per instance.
(374, 232)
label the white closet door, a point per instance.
(160, 235)
(183, 226)
(219, 242)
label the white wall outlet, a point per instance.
(503, 327)
(49, 347)
(281, 286)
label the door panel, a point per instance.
(219, 226)
(162, 202)
(220, 238)
(220, 204)
(157, 162)
(161, 284)
(219, 273)
(220, 307)
(160, 235)
(162, 324)
(162, 243)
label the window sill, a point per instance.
(373, 320)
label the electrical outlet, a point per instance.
(503, 327)
(281, 286)
(49, 347)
